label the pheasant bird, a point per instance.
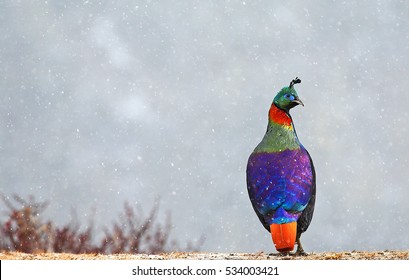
(281, 176)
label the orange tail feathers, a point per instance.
(284, 236)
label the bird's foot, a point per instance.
(300, 251)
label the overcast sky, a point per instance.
(103, 102)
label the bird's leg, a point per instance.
(300, 251)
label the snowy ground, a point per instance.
(354, 255)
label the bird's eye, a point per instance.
(289, 97)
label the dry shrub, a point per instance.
(24, 230)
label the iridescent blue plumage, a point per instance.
(280, 184)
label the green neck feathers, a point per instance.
(280, 134)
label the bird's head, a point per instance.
(287, 97)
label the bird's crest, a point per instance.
(295, 81)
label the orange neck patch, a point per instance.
(278, 116)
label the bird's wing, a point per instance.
(261, 218)
(305, 219)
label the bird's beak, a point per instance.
(298, 101)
